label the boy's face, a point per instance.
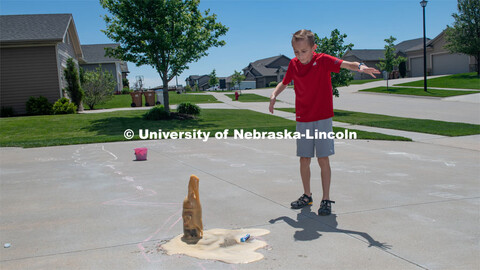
(303, 51)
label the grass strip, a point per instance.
(249, 98)
(401, 123)
(418, 92)
(50, 130)
(463, 81)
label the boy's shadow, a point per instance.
(312, 225)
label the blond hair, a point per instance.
(304, 34)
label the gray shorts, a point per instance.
(307, 147)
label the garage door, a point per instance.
(449, 63)
(416, 66)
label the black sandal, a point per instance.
(303, 201)
(325, 208)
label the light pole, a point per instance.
(423, 3)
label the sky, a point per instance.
(263, 28)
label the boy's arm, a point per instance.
(360, 67)
(280, 87)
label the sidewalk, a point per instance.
(173, 107)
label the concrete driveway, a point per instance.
(399, 205)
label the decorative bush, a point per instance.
(188, 108)
(98, 87)
(72, 77)
(402, 68)
(157, 113)
(126, 91)
(272, 84)
(126, 83)
(64, 106)
(6, 112)
(38, 106)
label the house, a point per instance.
(33, 53)
(371, 57)
(200, 80)
(94, 56)
(34, 50)
(439, 60)
(224, 82)
(230, 86)
(266, 70)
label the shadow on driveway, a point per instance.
(311, 226)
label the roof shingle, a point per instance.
(35, 27)
(95, 53)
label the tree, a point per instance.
(195, 87)
(390, 61)
(402, 68)
(237, 78)
(98, 86)
(74, 90)
(165, 34)
(334, 46)
(464, 35)
(81, 73)
(126, 83)
(213, 79)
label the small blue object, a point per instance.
(245, 238)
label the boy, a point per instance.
(314, 109)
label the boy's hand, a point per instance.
(369, 71)
(272, 103)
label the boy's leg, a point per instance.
(305, 174)
(326, 175)
(305, 150)
(324, 148)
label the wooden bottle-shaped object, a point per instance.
(192, 213)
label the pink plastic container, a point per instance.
(141, 153)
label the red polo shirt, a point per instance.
(313, 86)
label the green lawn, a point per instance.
(249, 98)
(49, 130)
(401, 123)
(364, 81)
(463, 80)
(418, 92)
(124, 101)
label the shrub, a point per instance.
(126, 91)
(188, 108)
(126, 83)
(188, 88)
(98, 86)
(6, 112)
(272, 84)
(38, 106)
(402, 68)
(64, 106)
(157, 113)
(74, 90)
